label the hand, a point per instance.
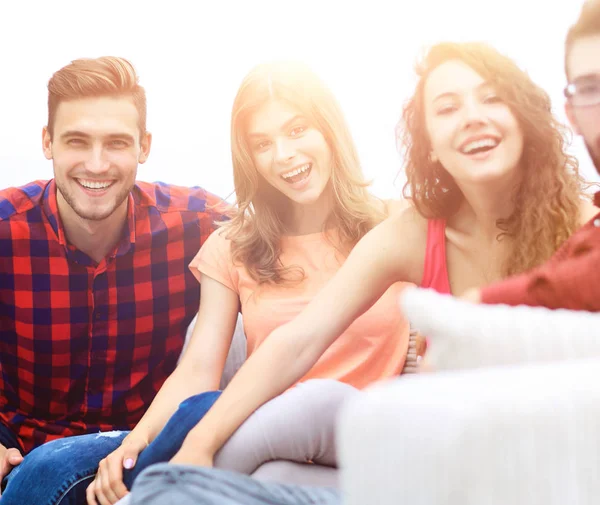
(108, 487)
(425, 366)
(9, 458)
(189, 454)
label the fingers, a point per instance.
(112, 479)
(13, 456)
(107, 487)
(110, 476)
(90, 493)
(131, 451)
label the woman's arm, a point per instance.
(391, 252)
(202, 363)
(199, 370)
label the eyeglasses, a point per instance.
(584, 93)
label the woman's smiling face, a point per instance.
(472, 132)
(289, 152)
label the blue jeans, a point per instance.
(59, 472)
(188, 485)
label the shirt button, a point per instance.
(597, 222)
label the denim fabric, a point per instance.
(59, 472)
(171, 438)
(167, 484)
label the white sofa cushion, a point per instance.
(465, 335)
(518, 435)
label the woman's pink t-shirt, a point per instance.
(372, 348)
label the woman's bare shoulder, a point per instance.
(396, 206)
(408, 231)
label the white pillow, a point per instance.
(465, 335)
(514, 435)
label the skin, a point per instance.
(280, 140)
(94, 139)
(583, 65)
(391, 252)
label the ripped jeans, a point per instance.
(296, 426)
(59, 471)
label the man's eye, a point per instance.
(118, 144)
(592, 88)
(75, 142)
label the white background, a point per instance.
(191, 57)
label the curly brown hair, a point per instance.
(547, 201)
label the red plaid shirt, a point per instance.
(84, 347)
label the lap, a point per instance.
(57, 467)
(298, 425)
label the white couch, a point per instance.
(521, 431)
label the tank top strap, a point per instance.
(435, 268)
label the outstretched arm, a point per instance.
(384, 256)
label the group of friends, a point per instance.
(101, 275)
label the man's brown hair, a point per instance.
(96, 77)
(587, 24)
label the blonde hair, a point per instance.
(256, 226)
(547, 202)
(96, 77)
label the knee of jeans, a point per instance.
(202, 400)
(43, 459)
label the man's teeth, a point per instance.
(94, 184)
(478, 144)
(300, 170)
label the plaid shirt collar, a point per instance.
(50, 207)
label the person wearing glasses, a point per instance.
(582, 66)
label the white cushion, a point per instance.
(518, 435)
(465, 335)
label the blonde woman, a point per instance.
(302, 205)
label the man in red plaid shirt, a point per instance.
(95, 290)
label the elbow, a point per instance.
(302, 349)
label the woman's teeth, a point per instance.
(297, 174)
(300, 170)
(480, 145)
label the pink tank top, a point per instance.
(435, 269)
